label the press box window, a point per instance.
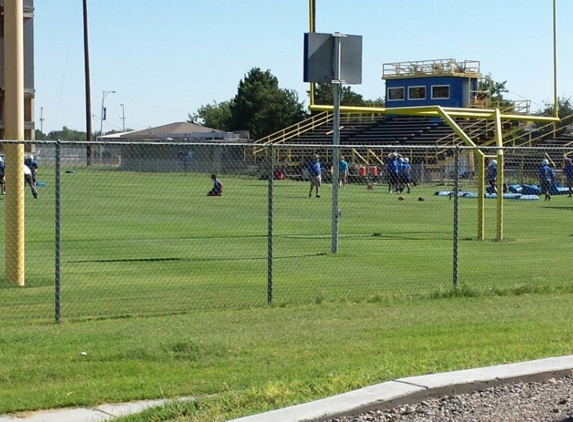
(395, 94)
(417, 93)
(440, 91)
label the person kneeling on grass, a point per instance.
(217, 187)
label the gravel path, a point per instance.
(549, 401)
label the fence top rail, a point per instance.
(387, 146)
(135, 142)
(395, 147)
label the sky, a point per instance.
(166, 59)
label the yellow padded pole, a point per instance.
(14, 130)
(500, 180)
(481, 193)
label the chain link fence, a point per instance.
(136, 233)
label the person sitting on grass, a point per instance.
(217, 187)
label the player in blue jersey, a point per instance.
(32, 164)
(405, 175)
(546, 178)
(342, 172)
(393, 172)
(217, 187)
(3, 175)
(491, 175)
(315, 176)
(29, 180)
(568, 172)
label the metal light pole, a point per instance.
(42, 120)
(123, 116)
(105, 93)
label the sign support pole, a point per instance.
(336, 85)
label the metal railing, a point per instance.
(430, 67)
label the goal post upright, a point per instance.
(312, 28)
(448, 114)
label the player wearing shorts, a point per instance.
(315, 176)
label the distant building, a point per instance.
(29, 127)
(173, 154)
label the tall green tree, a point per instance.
(494, 91)
(564, 110)
(261, 107)
(324, 95)
(378, 102)
(216, 116)
(67, 134)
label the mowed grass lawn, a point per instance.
(165, 289)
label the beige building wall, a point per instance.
(29, 90)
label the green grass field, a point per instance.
(166, 291)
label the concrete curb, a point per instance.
(413, 389)
(380, 396)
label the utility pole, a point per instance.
(88, 88)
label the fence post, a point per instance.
(58, 238)
(271, 172)
(335, 175)
(456, 214)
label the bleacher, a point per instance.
(557, 157)
(399, 133)
(348, 131)
(379, 131)
(368, 139)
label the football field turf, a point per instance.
(149, 243)
(140, 245)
